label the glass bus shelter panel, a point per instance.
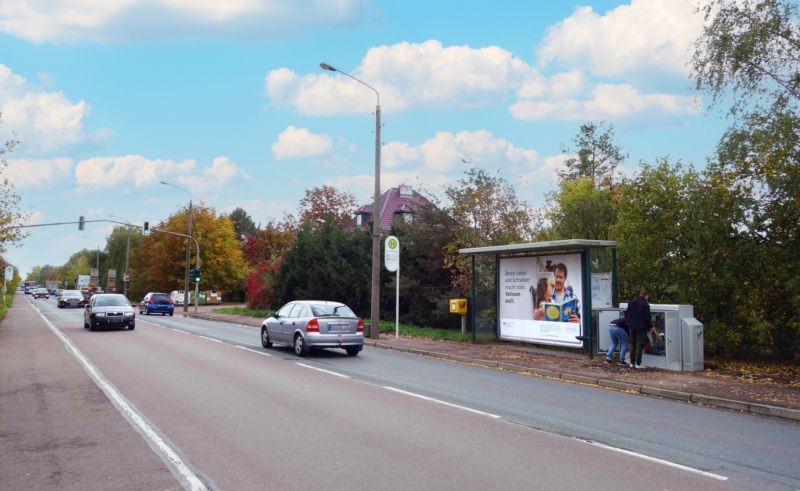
(486, 299)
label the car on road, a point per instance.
(71, 298)
(177, 297)
(108, 310)
(309, 324)
(157, 303)
(41, 293)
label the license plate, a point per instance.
(115, 320)
(339, 328)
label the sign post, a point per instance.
(391, 259)
(8, 277)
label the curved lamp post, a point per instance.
(188, 247)
(375, 310)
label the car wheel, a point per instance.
(170, 314)
(132, 327)
(146, 311)
(265, 342)
(92, 325)
(352, 350)
(300, 347)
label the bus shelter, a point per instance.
(542, 292)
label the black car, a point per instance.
(108, 310)
(41, 293)
(71, 298)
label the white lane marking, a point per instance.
(178, 330)
(431, 399)
(252, 350)
(657, 461)
(323, 370)
(210, 339)
(129, 412)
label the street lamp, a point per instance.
(188, 248)
(375, 310)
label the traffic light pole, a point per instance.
(197, 259)
(81, 222)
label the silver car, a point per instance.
(307, 324)
(108, 310)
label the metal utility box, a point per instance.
(675, 343)
(693, 358)
(458, 306)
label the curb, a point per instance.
(706, 400)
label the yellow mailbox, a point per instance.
(458, 306)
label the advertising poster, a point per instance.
(540, 299)
(111, 285)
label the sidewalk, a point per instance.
(706, 387)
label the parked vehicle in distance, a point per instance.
(308, 324)
(71, 298)
(58, 292)
(157, 303)
(41, 293)
(108, 310)
(177, 297)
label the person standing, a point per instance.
(639, 322)
(617, 328)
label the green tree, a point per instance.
(120, 247)
(749, 55)
(648, 230)
(159, 262)
(328, 262)
(486, 211)
(750, 50)
(242, 224)
(10, 214)
(582, 211)
(326, 203)
(425, 282)
(597, 155)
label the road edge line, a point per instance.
(128, 411)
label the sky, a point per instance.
(227, 101)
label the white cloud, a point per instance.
(410, 75)
(141, 171)
(44, 121)
(295, 143)
(108, 21)
(406, 75)
(221, 171)
(36, 173)
(445, 151)
(645, 35)
(606, 101)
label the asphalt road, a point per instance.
(236, 416)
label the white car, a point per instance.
(177, 297)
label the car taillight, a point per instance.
(312, 326)
(360, 327)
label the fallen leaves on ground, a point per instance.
(754, 372)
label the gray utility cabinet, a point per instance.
(675, 344)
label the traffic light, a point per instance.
(195, 274)
(81, 223)
(146, 228)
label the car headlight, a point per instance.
(99, 314)
(128, 314)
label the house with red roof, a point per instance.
(396, 204)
